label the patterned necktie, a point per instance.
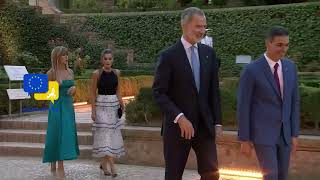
(276, 77)
(195, 67)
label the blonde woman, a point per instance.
(61, 139)
(107, 106)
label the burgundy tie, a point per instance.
(276, 77)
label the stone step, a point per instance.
(37, 136)
(47, 8)
(34, 149)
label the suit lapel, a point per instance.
(187, 64)
(285, 78)
(203, 64)
(269, 76)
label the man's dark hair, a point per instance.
(276, 31)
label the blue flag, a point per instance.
(35, 83)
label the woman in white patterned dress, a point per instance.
(107, 138)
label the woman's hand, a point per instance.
(122, 107)
(72, 90)
(93, 116)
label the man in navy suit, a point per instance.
(269, 107)
(186, 87)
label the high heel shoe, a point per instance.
(113, 173)
(60, 174)
(53, 172)
(53, 169)
(106, 172)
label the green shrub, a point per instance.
(137, 73)
(123, 3)
(219, 2)
(135, 113)
(185, 2)
(61, 36)
(270, 2)
(78, 63)
(82, 4)
(143, 109)
(3, 75)
(228, 105)
(94, 51)
(309, 79)
(310, 103)
(26, 59)
(230, 83)
(145, 4)
(141, 4)
(233, 82)
(309, 75)
(310, 83)
(120, 60)
(197, 3)
(4, 105)
(253, 2)
(312, 66)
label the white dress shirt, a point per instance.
(187, 48)
(280, 74)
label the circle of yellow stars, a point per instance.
(35, 88)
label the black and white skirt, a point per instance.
(107, 138)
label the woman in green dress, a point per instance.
(61, 139)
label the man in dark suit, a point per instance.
(186, 87)
(268, 107)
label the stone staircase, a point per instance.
(74, 23)
(50, 6)
(45, 6)
(25, 136)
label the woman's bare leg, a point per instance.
(60, 172)
(53, 168)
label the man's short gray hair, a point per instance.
(189, 12)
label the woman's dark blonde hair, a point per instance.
(56, 54)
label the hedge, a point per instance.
(23, 30)
(236, 31)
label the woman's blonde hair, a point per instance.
(56, 54)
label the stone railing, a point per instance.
(144, 147)
(47, 6)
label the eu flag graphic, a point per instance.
(35, 83)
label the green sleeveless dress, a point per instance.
(61, 139)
